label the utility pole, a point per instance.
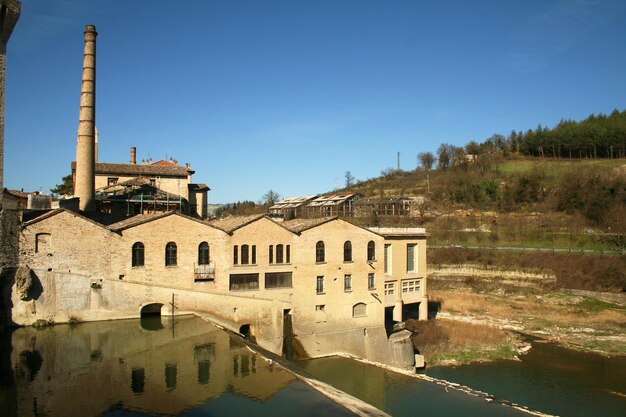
(398, 160)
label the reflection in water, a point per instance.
(170, 376)
(137, 380)
(29, 365)
(123, 368)
(401, 395)
(151, 322)
(551, 379)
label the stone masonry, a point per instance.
(9, 13)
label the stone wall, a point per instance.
(9, 248)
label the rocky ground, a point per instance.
(481, 319)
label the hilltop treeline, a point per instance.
(598, 136)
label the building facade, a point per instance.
(311, 287)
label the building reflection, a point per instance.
(91, 368)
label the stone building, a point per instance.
(319, 286)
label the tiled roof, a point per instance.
(137, 220)
(231, 223)
(300, 225)
(15, 193)
(198, 187)
(139, 169)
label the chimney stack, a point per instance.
(133, 155)
(85, 147)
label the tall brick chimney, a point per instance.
(85, 146)
(133, 155)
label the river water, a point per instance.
(549, 379)
(188, 367)
(135, 368)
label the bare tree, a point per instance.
(426, 160)
(349, 179)
(271, 197)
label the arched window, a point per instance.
(245, 254)
(170, 254)
(359, 310)
(137, 254)
(320, 255)
(347, 251)
(371, 251)
(279, 254)
(203, 253)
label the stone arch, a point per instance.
(153, 309)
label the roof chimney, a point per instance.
(133, 155)
(85, 147)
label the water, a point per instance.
(401, 395)
(137, 368)
(549, 379)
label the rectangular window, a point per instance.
(288, 254)
(411, 286)
(235, 255)
(371, 284)
(271, 254)
(410, 257)
(347, 283)
(278, 280)
(153, 182)
(320, 285)
(112, 180)
(244, 282)
(253, 254)
(387, 259)
(320, 307)
(390, 288)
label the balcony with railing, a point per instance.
(204, 273)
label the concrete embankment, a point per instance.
(355, 405)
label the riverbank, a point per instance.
(476, 322)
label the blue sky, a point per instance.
(289, 95)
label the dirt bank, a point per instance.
(476, 320)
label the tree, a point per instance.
(349, 179)
(426, 160)
(65, 188)
(270, 197)
(444, 155)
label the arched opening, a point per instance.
(245, 331)
(153, 309)
(151, 317)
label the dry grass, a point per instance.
(557, 310)
(577, 321)
(441, 340)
